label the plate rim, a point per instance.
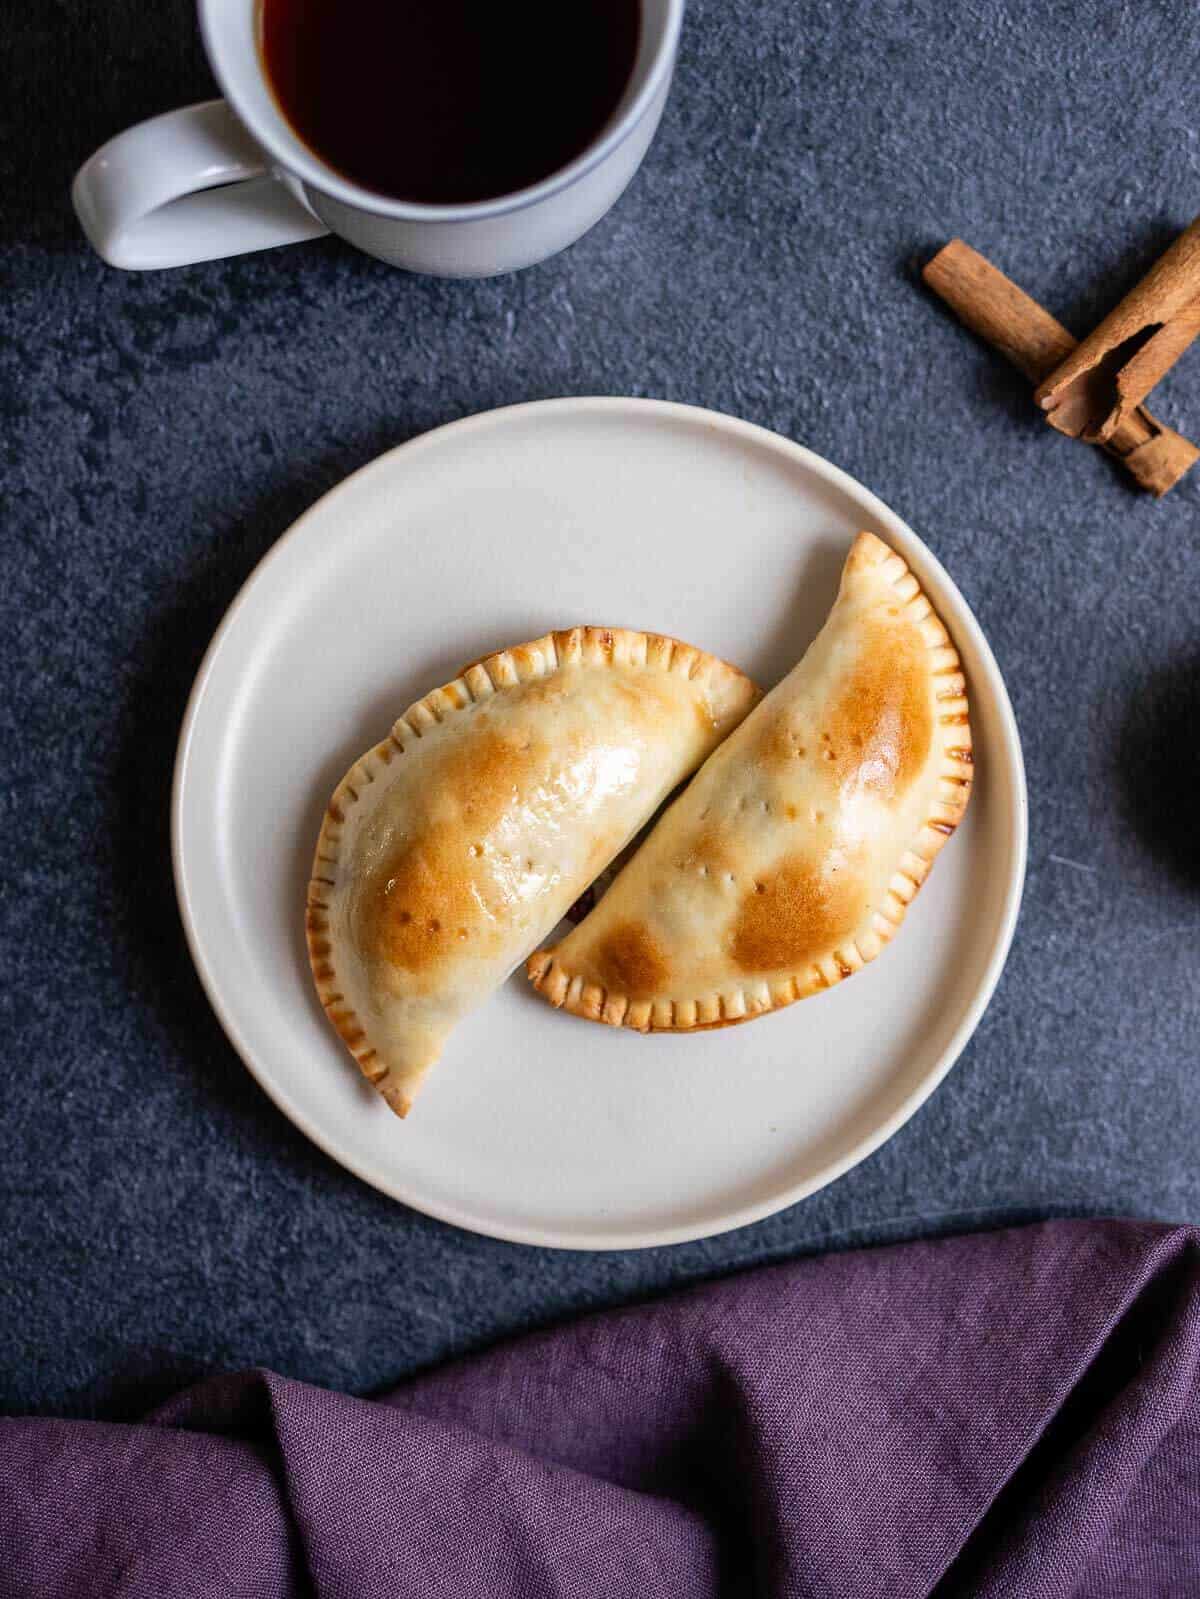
(783, 1198)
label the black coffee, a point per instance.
(449, 101)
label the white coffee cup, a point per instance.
(227, 176)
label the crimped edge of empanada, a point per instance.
(613, 647)
(743, 1001)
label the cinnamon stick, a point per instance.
(1103, 380)
(1005, 317)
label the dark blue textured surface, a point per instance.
(160, 432)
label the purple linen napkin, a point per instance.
(1013, 1413)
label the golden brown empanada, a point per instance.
(451, 849)
(790, 858)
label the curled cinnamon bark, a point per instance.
(1107, 375)
(1004, 316)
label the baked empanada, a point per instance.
(453, 848)
(790, 858)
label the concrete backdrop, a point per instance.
(157, 1214)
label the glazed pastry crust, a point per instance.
(453, 847)
(790, 860)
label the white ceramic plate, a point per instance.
(536, 1126)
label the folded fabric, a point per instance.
(1013, 1413)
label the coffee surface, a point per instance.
(449, 101)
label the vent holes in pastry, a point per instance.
(404, 918)
(477, 850)
(434, 925)
(760, 888)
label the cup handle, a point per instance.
(188, 186)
